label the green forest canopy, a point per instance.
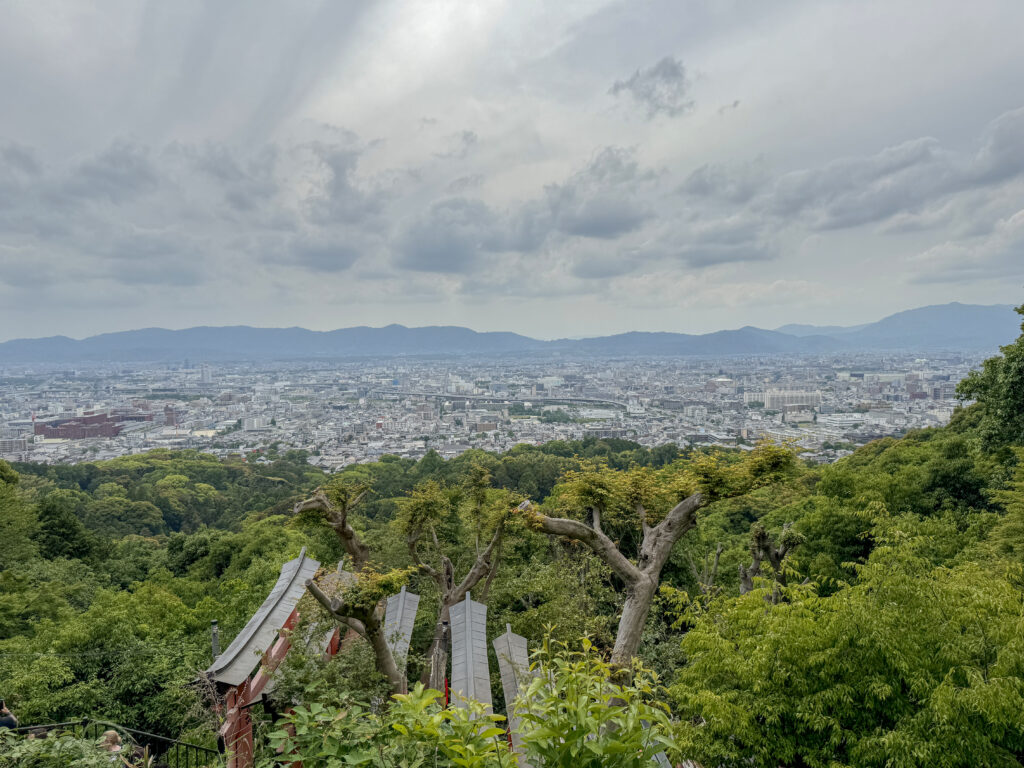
(870, 612)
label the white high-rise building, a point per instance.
(776, 399)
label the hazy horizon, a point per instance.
(557, 171)
(550, 337)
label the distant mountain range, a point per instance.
(951, 327)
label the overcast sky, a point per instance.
(553, 168)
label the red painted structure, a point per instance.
(236, 731)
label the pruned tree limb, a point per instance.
(763, 548)
(598, 542)
(642, 577)
(336, 516)
(366, 621)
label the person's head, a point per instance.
(111, 741)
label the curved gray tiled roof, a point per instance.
(240, 658)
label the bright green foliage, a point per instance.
(305, 677)
(414, 731)
(427, 507)
(574, 714)
(371, 586)
(724, 475)
(116, 629)
(1006, 538)
(18, 523)
(913, 666)
(53, 752)
(999, 389)
(330, 737)
(7, 474)
(466, 736)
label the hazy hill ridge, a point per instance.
(968, 327)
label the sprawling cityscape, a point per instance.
(348, 412)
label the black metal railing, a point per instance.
(164, 750)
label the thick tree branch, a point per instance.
(714, 569)
(641, 578)
(495, 562)
(683, 515)
(693, 568)
(480, 568)
(414, 553)
(450, 593)
(657, 544)
(641, 512)
(763, 548)
(600, 544)
(337, 518)
(708, 574)
(372, 630)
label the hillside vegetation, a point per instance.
(868, 613)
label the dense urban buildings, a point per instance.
(348, 412)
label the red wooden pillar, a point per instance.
(237, 731)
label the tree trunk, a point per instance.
(385, 659)
(367, 622)
(642, 577)
(451, 593)
(437, 656)
(639, 597)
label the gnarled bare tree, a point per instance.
(428, 504)
(333, 505)
(708, 573)
(763, 548)
(596, 495)
(368, 621)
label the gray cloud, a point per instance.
(18, 159)
(602, 266)
(464, 184)
(997, 256)
(738, 238)
(323, 255)
(249, 153)
(736, 184)
(918, 185)
(861, 190)
(341, 197)
(122, 171)
(662, 89)
(1001, 155)
(450, 237)
(604, 200)
(459, 145)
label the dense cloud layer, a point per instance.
(556, 171)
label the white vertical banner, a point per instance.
(471, 677)
(399, 618)
(514, 665)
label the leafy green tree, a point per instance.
(56, 751)
(913, 666)
(998, 389)
(599, 497)
(61, 532)
(422, 515)
(575, 714)
(17, 520)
